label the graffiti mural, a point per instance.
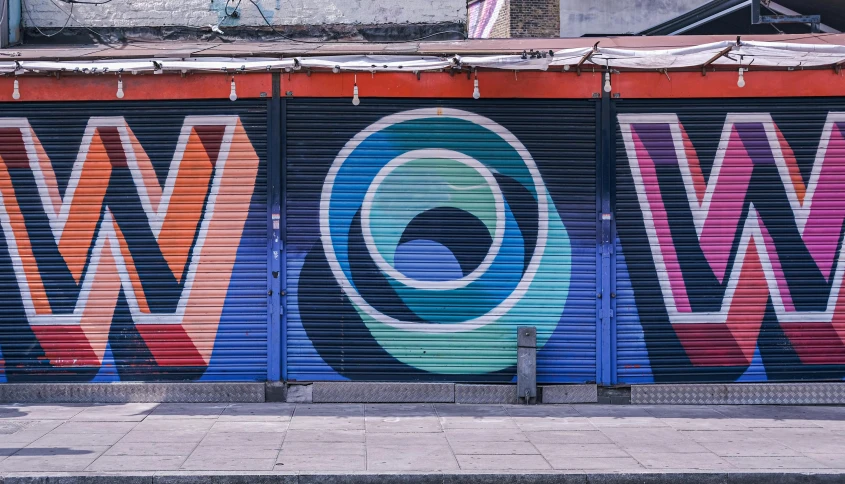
(736, 260)
(430, 250)
(122, 258)
(482, 15)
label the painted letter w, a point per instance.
(169, 247)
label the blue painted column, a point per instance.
(14, 12)
(607, 294)
(274, 239)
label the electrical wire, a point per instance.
(29, 16)
(301, 41)
(226, 8)
(70, 16)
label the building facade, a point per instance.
(263, 226)
(46, 21)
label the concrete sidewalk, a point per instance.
(420, 443)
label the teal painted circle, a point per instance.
(395, 172)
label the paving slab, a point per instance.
(436, 443)
(52, 458)
(468, 447)
(699, 460)
(175, 425)
(54, 439)
(581, 450)
(246, 439)
(187, 410)
(479, 422)
(163, 436)
(417, 458)
(260, 412)
(834, 461)
(235, 463)
(41, 412)
(503, 462)
(530, 424)
(125, 463)
(99, 427)
(751, 447)
(151, 448)
(324, 462)
(616, 464)
(317, 448)
(326, 436)
(777, 462)
(239, 426)
(400, 439)
(127, 412)
(402, 423)
(568, 437)
(211, 452)
(485, 435)
(316, 423)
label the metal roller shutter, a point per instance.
(730, 217)
(421, 233)
(134, 241)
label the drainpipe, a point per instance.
(10, 26)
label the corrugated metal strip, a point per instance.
(432, 217)
(134, 241)
(730, 227)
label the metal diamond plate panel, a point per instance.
(740, 394)
(570, 394)
(132, 392)
(501, 394)
(349, 392)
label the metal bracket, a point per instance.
(756, 18)
(526, 364)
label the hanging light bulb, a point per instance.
(233, 93)
(741, 81)
(476, 93)
(120, 87)
(607, 86)
(355, 99)
(336, 69)
(16, 93)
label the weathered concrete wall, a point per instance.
(201, 13)
(579, 17)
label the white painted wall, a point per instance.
(200, 13)
(579, 17)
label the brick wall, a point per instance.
(534, 18)
(502, 26)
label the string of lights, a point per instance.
(726, 55)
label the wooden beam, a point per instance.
(713, 59)
(585, 58)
